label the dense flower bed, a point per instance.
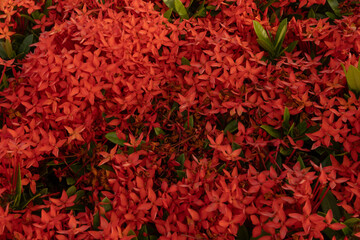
(126, 118)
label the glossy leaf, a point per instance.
(170, 3)
(353, 79)
(181, 160)
(112, 137)
(159, 131)
(25, 46)
(185, 61)
(334, 4)
(71, 191)
(18, 188)
(168, 13)
(280, 35)
(267, 46)
(261, 33)
(180, 9)
(286, 119)
(231, 127)
(272, 131)
(291, 46)
(329, 202)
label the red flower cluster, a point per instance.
(179, 129)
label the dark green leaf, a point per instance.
(330, 202)
(311, 14)
(291, 46)
(181, 159)
(280, 35)
(330, 15)
(25, 46)
(181, 174)
(159, 131)
(48, 3)
(272, 131)
(190, 121)
(334, 4)
(300, 160)
(18, 188)
(221, 168)
(71, 191)
(112, 137)
(106, 204)
(70, 181)
(265, 45)
(107, 167)
(79, 195)
(231, 127)
(31, 199)
(3, 54)
(143, 231)
(201, 12)
(242, 233)
(96, 221)
(185, 61)
(286, 119)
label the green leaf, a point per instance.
(191, 122)
(353, 79)
(272, 131)
(159, 131)
(48, 3)
(107, 167)
(221, 168)
(280, 35)
(180, 174)
(96, 221)
(71, 191)
(330, 15)
(291, 46)
(3, 54)
(112, 137)
(28, 201)
(267, 46)
(231, 127)
(18, 188)
(132, 233)
(311, 14)
(291, 131)
(286, 119)
(168, 13)
(25, 46)
(169, 3)
(185, 61)
(106, 204)
(180, 9)
(79, 195)
(242, 233)
(201, 12)
(70, 181)
(300, 160)
(180, 159)
(330, 202)
(261, 33)
(334, 4)
(9, 49)
(143, 230)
